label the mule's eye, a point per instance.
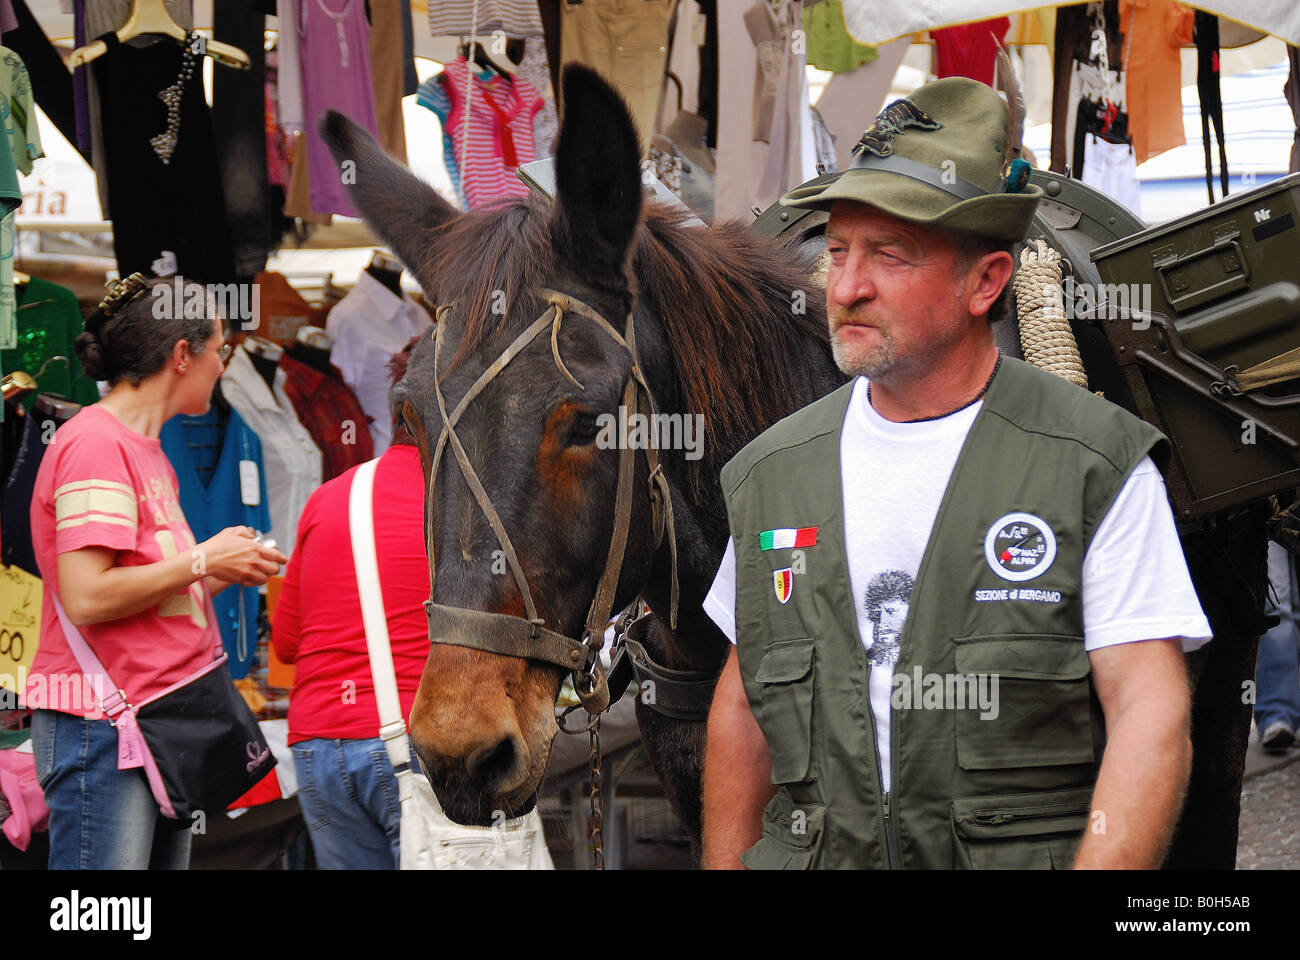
(582, 431)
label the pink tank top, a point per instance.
(334, 50)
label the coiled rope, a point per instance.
(1045, 335)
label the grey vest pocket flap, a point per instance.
(785, 661)
(1022, 815)
(785, 709)
(1026, 656)
(1041, 714)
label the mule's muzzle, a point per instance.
(491, 779)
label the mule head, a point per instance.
(483, 723)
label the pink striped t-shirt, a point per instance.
(500, 135)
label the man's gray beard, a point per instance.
(871, 363)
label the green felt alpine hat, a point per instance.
(938, 157)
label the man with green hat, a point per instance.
(956, 593)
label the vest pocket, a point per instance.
(785, 710)
(1041, 712)
(792, 835)
(1028, 831)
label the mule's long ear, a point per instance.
(399, 206)
(598, 178)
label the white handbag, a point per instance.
(429, 839)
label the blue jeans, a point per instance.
(1277, 672)
(350, 801)
(101, 818)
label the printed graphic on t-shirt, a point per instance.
(887, 597)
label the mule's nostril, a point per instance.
(493, 767)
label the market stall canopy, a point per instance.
(873, 22)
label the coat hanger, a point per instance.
(17, 384)
(314, 337)
(55, 405)
(261, 347)
(151, 17)
(20, 382)
(473, 51)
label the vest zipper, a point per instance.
(890, 843)
(891, 856)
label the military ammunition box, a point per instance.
(1203, 314)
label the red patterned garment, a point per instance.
(332, 414)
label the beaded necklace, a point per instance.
(165, 143)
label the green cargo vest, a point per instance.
(997, 595)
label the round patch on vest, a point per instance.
(1020, 546)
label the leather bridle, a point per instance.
(526, 636)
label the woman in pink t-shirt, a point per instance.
(112, 544)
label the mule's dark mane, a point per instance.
(744, 319)
(728, 301)
(471, 257)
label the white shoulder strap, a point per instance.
(361, 524)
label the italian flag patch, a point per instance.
(786, 538)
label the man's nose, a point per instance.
(851, 282)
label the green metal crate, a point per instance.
(1208, 297)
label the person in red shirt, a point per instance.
(113, 546)
(346, 783)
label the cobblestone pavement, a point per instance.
(1269, 834)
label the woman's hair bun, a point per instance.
(90, 351)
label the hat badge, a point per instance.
(893, 120)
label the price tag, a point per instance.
(250, 490)
(20, 625)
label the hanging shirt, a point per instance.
(514, 18)
(332, 414)
(969, 50)
(277, 156)
(177, 205)
(281, 309)
(291, 458)
(500, 132)
(104, 485)
(20, 122)
(1154, 32)
(536, 69)
(830, 46)
(16, 549)
(233, 493)
(16, 99)
(1112, 169)
(368, 326)
(49, 320)
(388, 68)
(288, 80)
(334, 54)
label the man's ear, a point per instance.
(986, 279)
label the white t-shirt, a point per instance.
(894, 476)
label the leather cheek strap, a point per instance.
(502, 633)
